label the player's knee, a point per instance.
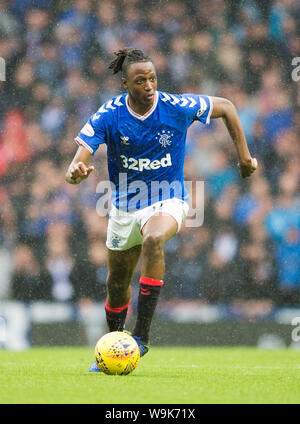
(117, 283)
(153, 242)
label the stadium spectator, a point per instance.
(59, 264)
(288, 259)
(30, 281)
(223, 175)
(88, 276)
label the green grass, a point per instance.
(164, 376)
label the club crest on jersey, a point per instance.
(164, 138)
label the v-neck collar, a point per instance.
(147, 114)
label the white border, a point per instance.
(80, 142)
(211, 106)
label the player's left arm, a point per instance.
(224, 108)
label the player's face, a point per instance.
(141, 82)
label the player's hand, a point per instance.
(79, 172)
(248, 167)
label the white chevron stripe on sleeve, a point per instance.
(96, 116)
(184, 102)
(117, 101)
(175, 100)
(193, 102)
(109, 105)
(166, 97)
(99, 112)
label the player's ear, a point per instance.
(124, 82)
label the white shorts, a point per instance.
(124, 228)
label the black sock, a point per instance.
(115, 317)
(147, 301)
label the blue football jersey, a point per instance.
(145, 154)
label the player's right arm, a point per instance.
(79, 168)
(89, 139)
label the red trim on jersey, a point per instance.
(151, 281)
(115, 310)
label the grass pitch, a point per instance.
(173, 375)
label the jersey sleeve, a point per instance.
(197, 107)
(93, 133)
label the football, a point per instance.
(117, 353)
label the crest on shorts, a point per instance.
(164, 138)
(115, 241)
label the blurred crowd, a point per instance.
(52, 241)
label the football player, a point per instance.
(145, 133)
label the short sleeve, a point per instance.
(93, 133)
(197, 107)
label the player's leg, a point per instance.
(121, 266)
(157, 230)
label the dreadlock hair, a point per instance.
(126, 57)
